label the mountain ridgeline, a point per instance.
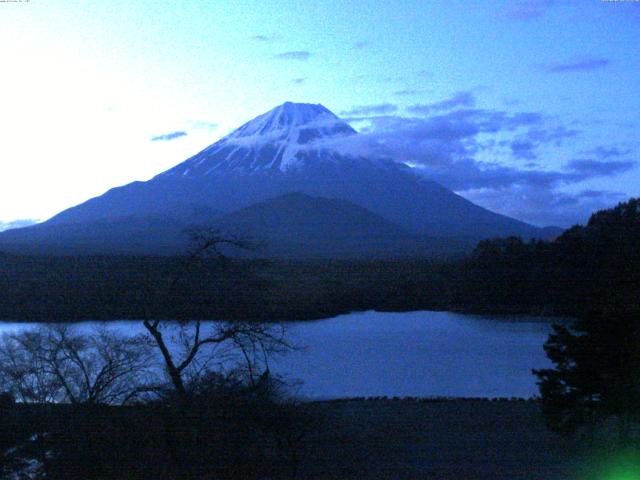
(287, 179)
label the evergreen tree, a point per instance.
(597, 372)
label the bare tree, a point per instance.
(23, 372)
(56, 363)
(191, 346)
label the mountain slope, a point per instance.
(292, 148)
(126, 235)
(297, 225)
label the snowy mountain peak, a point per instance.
(288, 136)
(294, 116)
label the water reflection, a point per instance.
(404, 354)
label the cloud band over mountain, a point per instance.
(168, 136)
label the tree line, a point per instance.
(561, 277)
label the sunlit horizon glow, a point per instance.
(527, 108)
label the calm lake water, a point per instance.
(405, 354)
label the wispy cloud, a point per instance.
(302, 55)
(460, 99)
(527, 10)
(608, 152)
(407, 93)
(545, 206)
(264, 38)
(579, 65)
(17, 224)
(599, 168)
(523, 149)
(202, 124)
(168, 136)
(378, 109)
(524, 146)
(443, 146)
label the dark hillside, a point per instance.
(586, 265)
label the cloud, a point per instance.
(301, 55)
(599, 168)
(579, 65)
(460, 99)
(168, 136)
(391, 79)
(298, 81)
(407, 92)
(523, 149)
(264, 38)
(27, 222)
(475, 151)
(527, 10)
(608, 152)
(524, 146)
(545, 207)
(443, 146)
(201, 124)
(379, 109)
(599, 194)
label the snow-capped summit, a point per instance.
(294, 117)
(280, 139)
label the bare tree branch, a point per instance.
(56, 364)
(253, 341)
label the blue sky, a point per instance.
(529, 108)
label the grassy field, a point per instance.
(450, 439)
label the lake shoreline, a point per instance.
(399, 354)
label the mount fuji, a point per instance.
(283, 178)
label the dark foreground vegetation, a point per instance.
(585, 266)
(226, 431)
(243, 435)
(182, 401)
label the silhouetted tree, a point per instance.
(56, 363)
(596, 374)
(251, 342)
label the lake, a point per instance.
(405, 354)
